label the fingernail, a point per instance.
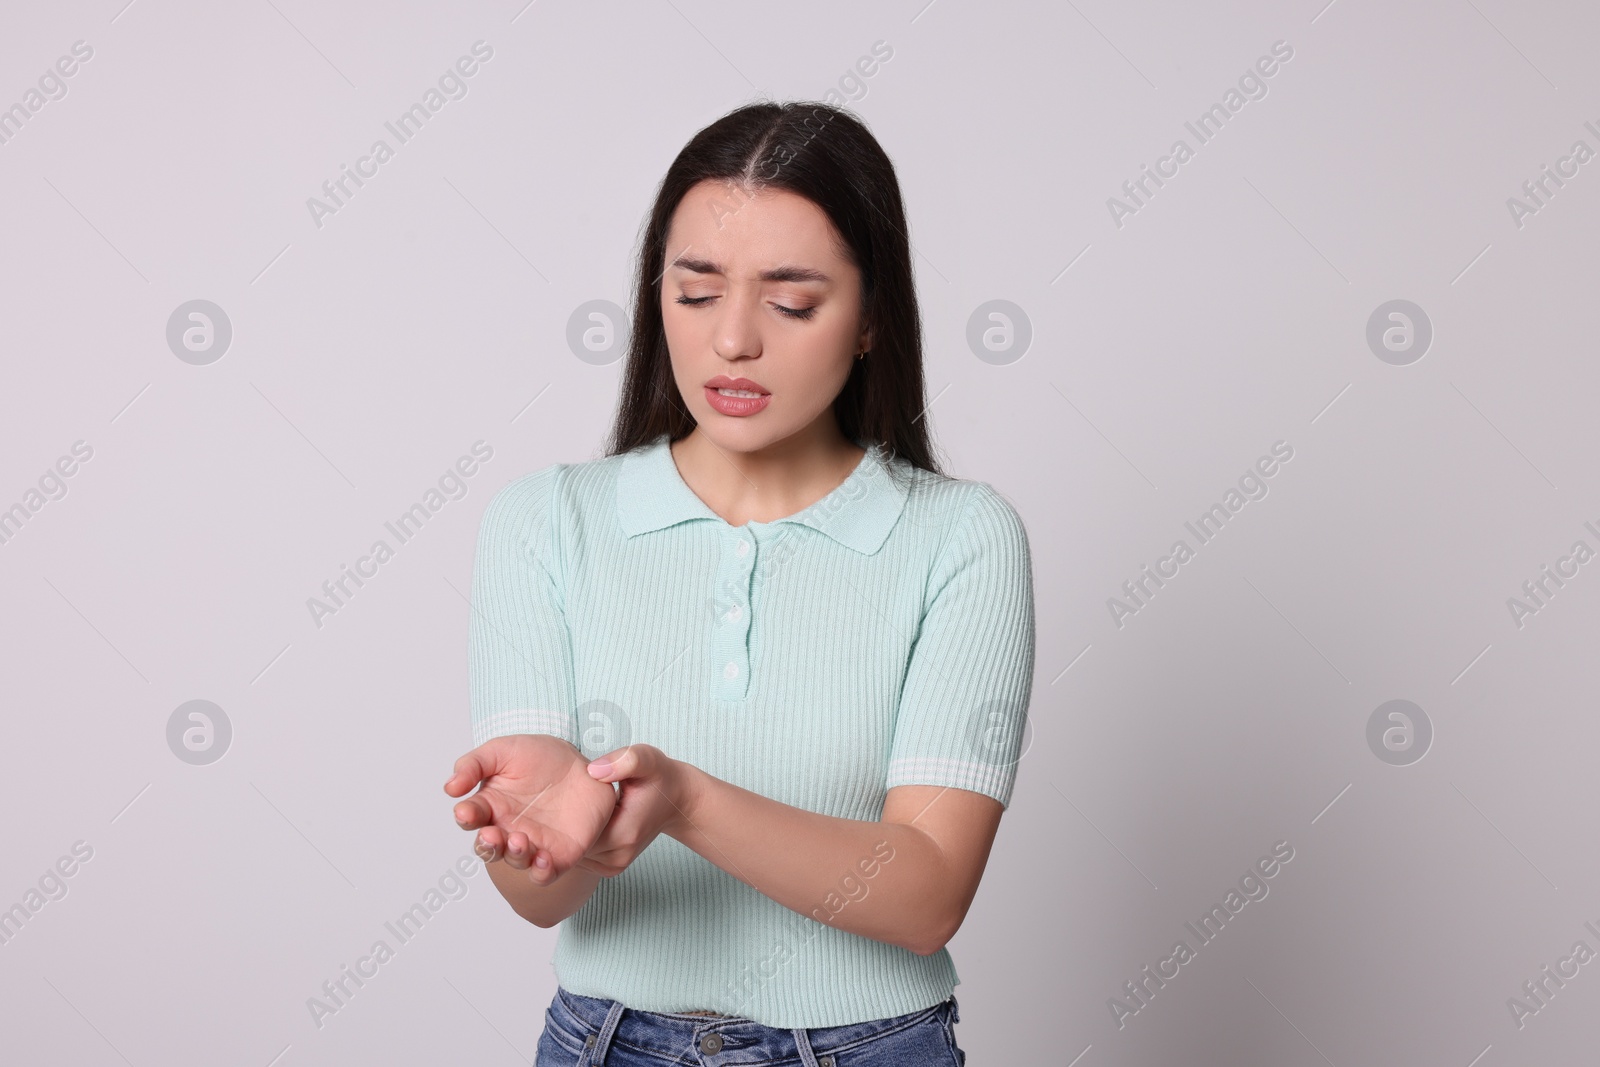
(541, 861)
(600, 768)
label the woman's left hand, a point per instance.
(654, 799)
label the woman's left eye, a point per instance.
(793, 313)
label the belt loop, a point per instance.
(602, 1042)
(802, 1041)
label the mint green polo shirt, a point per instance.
(882, 636)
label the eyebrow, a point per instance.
(776, 274)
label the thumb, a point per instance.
(615, 765)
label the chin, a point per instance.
(740, 435)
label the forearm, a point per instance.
(547, 905)
(882, 880)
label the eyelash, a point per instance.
(793, 313)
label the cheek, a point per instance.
(685, 324)
(678, 333)
(822, 379)
(687, 371)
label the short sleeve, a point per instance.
(519, 649)
(964, 705)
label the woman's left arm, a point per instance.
(926, 856)
(907, 880)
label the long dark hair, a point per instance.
(828, 156)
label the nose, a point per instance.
(736, 334)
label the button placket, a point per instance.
(730, 647)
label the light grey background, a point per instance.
(1168, 353)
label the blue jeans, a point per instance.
(584, 1031)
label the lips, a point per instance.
(722, 381)
(735, 405)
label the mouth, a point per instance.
(736, 397)
(736, 387)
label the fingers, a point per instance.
(522, 853)
(489, 844)
(517, 850)
(619, 764)
(472, 813)
(493, 844)
(471, 769)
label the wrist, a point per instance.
(690, 785)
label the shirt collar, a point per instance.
(858, 513)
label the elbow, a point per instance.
(934, 935)
(544, 920)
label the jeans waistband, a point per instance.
(670, 1034)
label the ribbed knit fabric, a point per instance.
(883, 636)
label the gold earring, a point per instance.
(862, 355)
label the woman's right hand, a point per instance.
(538, 807)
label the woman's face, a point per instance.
(755, 289)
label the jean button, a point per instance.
(711, 1043)
(589, 1041)
(824, 1061)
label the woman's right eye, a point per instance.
(693, 301)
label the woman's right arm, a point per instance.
(546, 905)
(523, 771)
(520, 659)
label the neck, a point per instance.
(769, 483)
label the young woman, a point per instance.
(748, 692)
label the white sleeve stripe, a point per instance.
(989, 778)
(524, 721)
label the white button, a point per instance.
(734, 612)
(743, 548)
(731, 671)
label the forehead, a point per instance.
(722, 222)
